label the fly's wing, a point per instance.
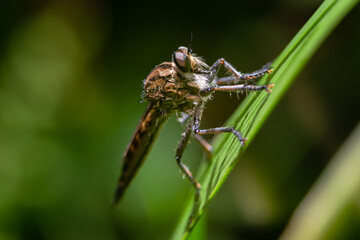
(139, 146)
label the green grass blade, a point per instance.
(253, 111)
(336, 189)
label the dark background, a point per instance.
(70, 84)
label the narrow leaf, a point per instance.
(255, 108)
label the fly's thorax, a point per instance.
(170, 88)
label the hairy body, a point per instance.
(183, 86)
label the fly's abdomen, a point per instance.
(139, 146)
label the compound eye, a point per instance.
(182, 62)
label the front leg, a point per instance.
(238, 76)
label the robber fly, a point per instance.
(183, 86)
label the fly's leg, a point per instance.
(228, 88)
(194, 127)
(238, 76)
(234, 88)
(222, 130)
(198, 131)
(205, 145)
(227, 80)
(179, 152)
(246, 76)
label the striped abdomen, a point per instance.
(139, 146)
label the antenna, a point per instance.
(190, 43)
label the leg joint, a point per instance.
(207, 91)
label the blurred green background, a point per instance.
(70, 85)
